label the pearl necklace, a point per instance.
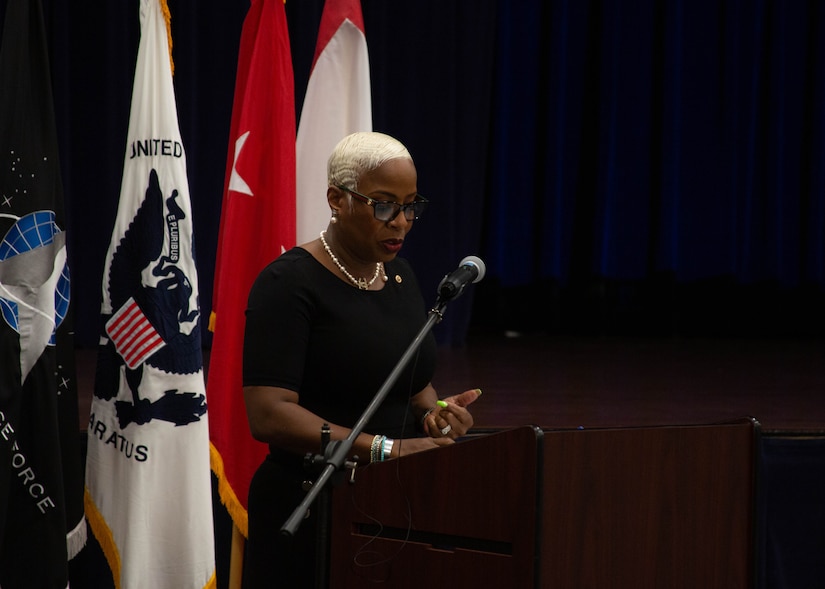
(361, 283)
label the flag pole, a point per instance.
(236, 559)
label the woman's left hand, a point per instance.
(452, 420)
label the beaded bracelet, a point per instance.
(380, 448)
(377, 448)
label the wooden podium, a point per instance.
(625, 507)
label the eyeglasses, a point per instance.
(386, 211)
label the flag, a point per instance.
(257, 224)
(41, 509)
(148, 485)
(337, 103)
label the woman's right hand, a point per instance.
(451, 417)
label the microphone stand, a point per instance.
(334, 453)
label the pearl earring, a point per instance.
(334, 218)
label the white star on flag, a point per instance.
(236, 183)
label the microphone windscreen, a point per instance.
(478, 263)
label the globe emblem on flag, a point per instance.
(28, 233)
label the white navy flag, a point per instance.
(148, 481)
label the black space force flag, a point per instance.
(41, 509)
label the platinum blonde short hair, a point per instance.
(360, 153)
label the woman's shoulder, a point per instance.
(294, 265)
(295, 258)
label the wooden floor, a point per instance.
(594, 382)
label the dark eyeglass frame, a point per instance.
(412, 210)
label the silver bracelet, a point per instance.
(387, 450)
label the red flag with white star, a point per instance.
(257, 224)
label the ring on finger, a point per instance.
(446, 430)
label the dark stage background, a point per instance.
(625, 168)
(622, 167)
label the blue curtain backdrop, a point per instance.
(644, 166)
(658, 166)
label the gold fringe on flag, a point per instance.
(104, 536)
(212, 583)
(167, 16)
(230, 500)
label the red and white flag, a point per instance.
(257, 224)
(337, 103)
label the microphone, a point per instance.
(471, 269)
